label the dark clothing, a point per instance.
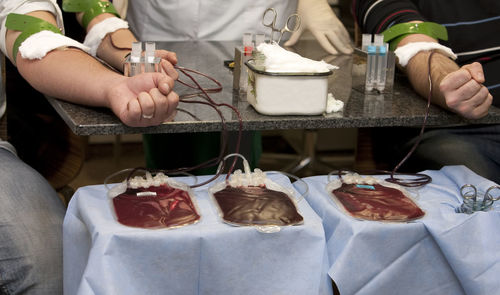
(473, 28)
(474, 35)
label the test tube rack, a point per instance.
(141, 62)
(373, 66)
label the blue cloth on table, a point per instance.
(442, 253)
(102, 256)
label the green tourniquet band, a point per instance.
(396, 33)
(28, 25)
(90, 9)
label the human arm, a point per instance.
(116, 44)
(73, 75)
(458, 89)
(318, 17)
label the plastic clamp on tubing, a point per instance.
(28, 25)
(396, 33)
(90, 9)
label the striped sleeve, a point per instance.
(374, 16)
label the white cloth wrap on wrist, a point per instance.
(100, 30)
(38, 45)
(406, 52)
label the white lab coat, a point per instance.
(180, 20)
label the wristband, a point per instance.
(396, 33)
(90, 9)
(28, 25)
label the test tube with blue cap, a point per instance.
(371, 67)
(381, 62)
(381, 67)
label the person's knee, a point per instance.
(28, 266)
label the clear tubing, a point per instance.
(381, 67)
(371, 65)
(135, 59)
(149, 60)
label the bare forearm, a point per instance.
(418, 74)
(71, 75)
(458, 89)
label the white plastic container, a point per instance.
(287, 93)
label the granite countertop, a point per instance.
(402, 107)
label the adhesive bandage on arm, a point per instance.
(406, 52)
(99, 31)
(37, 37)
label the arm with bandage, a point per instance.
(460, 89)
(61, 67)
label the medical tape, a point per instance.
(90, 9)
(28, 25)
(99, 31)
(406, 52)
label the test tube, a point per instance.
(366, 40)
(381, 67)
(247, 43)
(135, 59)
(259, 38)
(149, 60)
(371, 64)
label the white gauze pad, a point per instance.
(406, 52)
(100, 30)
(38, 45)
(280, 60)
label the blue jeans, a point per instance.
(475, 146)
(31, 216)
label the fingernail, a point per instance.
(166, 86)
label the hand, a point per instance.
(318, 17)
(144, 100)
(465, 93)
(169, 60)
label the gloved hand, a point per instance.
(318, 17)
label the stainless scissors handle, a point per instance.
(272, 23)
(467, 193)
(293, 18)
(488, 193)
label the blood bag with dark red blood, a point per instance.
(256, 205)
(157, 202)
(375, 201)
(251, 198)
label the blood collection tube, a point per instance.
(247, 43)
(371, 65)
(381, 67)
(135, 59)
(149, 60)
(259, 38)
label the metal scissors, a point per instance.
(293, 18)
